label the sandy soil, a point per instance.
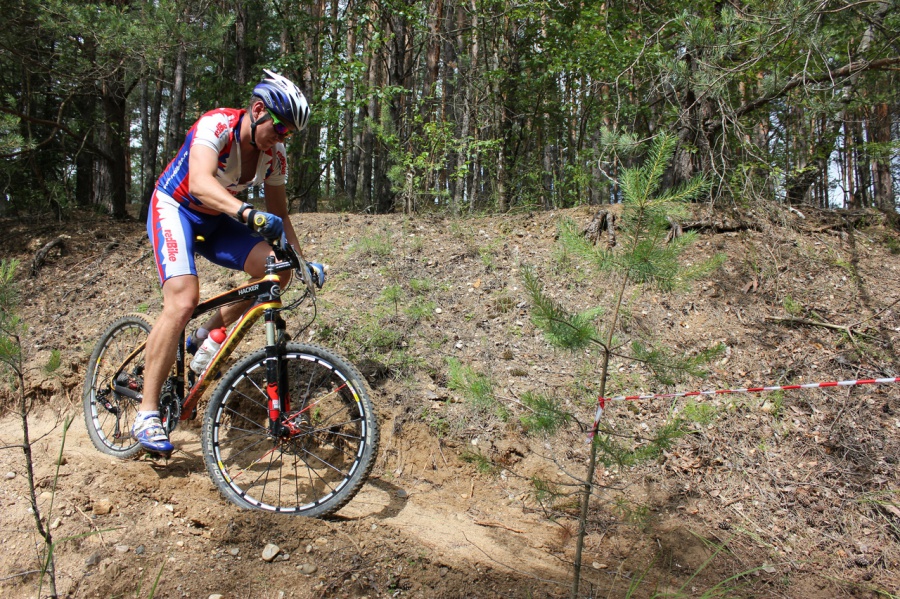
(794, 494)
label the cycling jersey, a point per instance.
(176, 217)
(220, 130)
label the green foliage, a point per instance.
(392, 294)
(481, 462)
(774, 403)
(420, 286)
(700, 412)
(545, 415)
(475, 387)
(669, 368)
(437, 423)
(420, 310)
(371, 337)
(614, 450)
(10, 324)
(891, 243)
(648, 254)
(792, 307)
(561, 328)
(377, 245)
(53, 362)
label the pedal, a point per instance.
(157, 455)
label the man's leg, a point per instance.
(180, 297)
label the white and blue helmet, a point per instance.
(284, 99)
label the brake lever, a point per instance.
(282, 246)
(303, 271)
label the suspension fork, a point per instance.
(276, 373)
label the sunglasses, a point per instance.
(281, 130)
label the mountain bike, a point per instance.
(289, 429)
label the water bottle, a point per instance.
(209, 348)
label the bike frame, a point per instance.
(266, 296)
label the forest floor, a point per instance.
(793, 494)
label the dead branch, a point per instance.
(41, 254)
(846, 329)
(720, 226)
(497, 525)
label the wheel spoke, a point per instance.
(321, 464)
(108, 414)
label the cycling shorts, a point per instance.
(173, 230)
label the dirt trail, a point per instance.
(147, 514)
(794, 496)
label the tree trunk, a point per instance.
(114, 165)
(84, 159)
(150, 140)
(240, 44)
(175, 133)
(880, 130)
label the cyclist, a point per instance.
(226, 151)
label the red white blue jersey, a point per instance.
(220, 130)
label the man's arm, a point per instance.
(203, 163)
(276, 203)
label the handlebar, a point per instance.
(291, 258)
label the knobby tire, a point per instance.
(313, 472)
(107, 414)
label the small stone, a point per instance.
(62, 460)
(56, 523)
(270, 551)
(234, 551)
(307, 569)
(215, 596)
(122, 548)
(10, 475)
(102, 507)
(45, 496)
(599, 566)
(438, 311)
(402, 493)
(93, 560)
(140, 550)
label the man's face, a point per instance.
(270, 131)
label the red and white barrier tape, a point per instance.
(601, 401)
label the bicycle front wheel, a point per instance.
(108, 414)
(317, 468)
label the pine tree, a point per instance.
(649, 255)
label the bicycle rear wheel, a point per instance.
(107, 414)
(315, 470)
